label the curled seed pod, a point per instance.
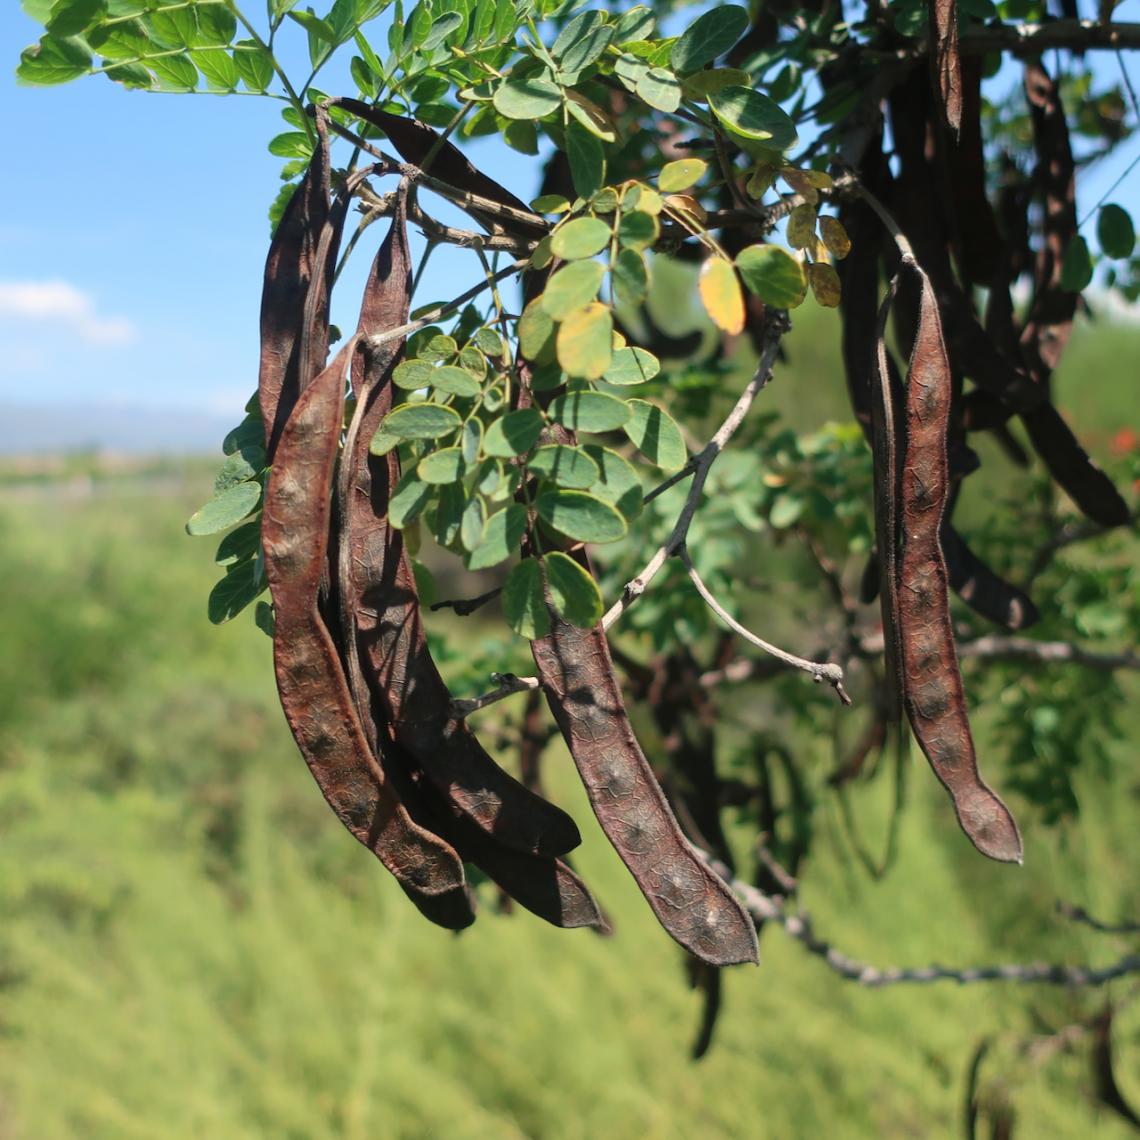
(295, 292)
(985, 592)
(693, 904)
(381, 614)
(310, 680)
(932, 685)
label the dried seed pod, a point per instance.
(414, 141)
(932, 685)
(381, 615)
(693, 904)
(947, 65)
(985, 592)
(311, 682)
(295, 293)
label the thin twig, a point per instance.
(778, 325)
(818, 670)
(445, 310)
(508, 684)
(798, 925)
(1079, 914)
(465, 606)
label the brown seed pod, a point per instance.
(381, 615)
(693, 904)
(947, 64)
(414, 141)
(295, 293)
(933, 695)
(310, 680)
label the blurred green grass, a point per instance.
(191, 946)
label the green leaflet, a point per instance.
(589, 411)
(514, 433)
(566, 466)
(573, 592)
(225, 509)
(773, 274)
(708, 36)
(581, 516)
(502, 534)
(655, 434)
(524, 606)
(421, 421)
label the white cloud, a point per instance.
(63, 303)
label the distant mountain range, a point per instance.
(27, 429)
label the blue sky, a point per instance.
(134, 234)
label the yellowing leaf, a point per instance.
(682, 174)
(801, 227)
(800, 183)
(585, 342)
(834, 237)
(721, 295)
(687, 204)
(824, 283)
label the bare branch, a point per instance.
(465, 606)
(996, 646)
(764, 908)
(778, 325)
(1033, 39)
(819, 670)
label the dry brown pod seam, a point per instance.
(310, 680)
(933, 694)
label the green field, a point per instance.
(191, 946)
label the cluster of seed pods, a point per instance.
(368, 708)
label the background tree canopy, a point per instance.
(407, 505)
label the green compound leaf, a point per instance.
(655, 434)
(502, 534)
(566, 466)
(235, 591)
(411, 496)
(580, 516)
(753, 115)
(1115, 231)
(708, 36)
(471, 440)
(589, 411)
(422, 421)
(619, 483)
(573, 592)
(638, 230)
(441, 28)
(572, 287)
(444, 466)
(223, 510)
(632, 366)
(585, 341)
(513, 434)
(682, 174)
(773, 274)
(70, 17)
(455, 381)
(529, 98)
(1076, 267)
(582, 42)
(636, 24)
(239, 467)
(580, 237)
(524, 605)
